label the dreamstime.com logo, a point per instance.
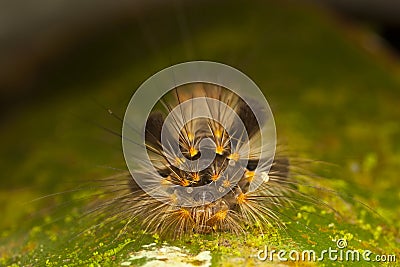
(338, 253)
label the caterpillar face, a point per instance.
(207, 161)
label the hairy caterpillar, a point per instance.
(229, 212)
(221, 174)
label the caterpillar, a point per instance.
(202, 157)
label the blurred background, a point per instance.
(41, 40)
(330, 70)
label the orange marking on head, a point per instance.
(184, 213)
(185, 182)
(219, 150)
(221, 215)
(249, 175)
(193, 151)
(196, 177)
(241, 198)
(215, 177)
